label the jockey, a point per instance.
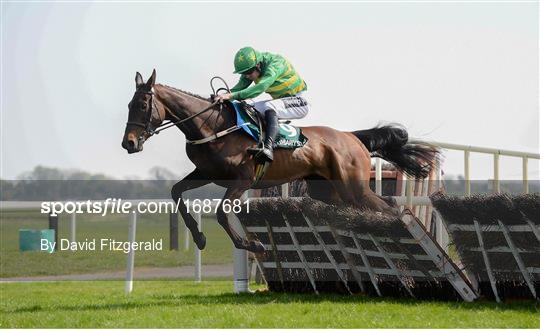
(274, 75)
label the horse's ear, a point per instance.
(138, 80)
(152, 80)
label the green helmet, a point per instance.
(245, 59)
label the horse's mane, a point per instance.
(188, 93)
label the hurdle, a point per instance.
(497, 239)
(434, 237)
(313, 247)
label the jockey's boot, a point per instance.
(266, 154)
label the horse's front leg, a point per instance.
(191, 181)
(233, 193)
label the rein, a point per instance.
(147, 126)
(260, 168)
(148, 130)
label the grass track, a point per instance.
(185, 304)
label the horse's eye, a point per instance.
(143, 106)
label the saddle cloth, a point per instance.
(289, 136)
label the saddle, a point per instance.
(252, 123)
(257, 118)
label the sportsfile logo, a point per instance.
(118, 206)
(108, 206)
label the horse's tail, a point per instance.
(390, 142)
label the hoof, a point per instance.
(255, 247)
(201, 241)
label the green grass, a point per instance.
(14, 263)
(185, 304)
(210, 304)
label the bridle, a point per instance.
(147, 126)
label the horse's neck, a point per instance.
(183, 105)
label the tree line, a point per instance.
(49, 184)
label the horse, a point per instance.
(335, 164)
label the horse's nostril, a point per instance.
(131, 144)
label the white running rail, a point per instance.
(467, 150)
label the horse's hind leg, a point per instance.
(365, 198)
(351, 181)
(357, 191)
(322, 189)
(191, 181)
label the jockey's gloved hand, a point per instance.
(222, 97)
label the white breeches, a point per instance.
(293, 107)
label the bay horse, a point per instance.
(336, 165)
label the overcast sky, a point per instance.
(454, 72)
